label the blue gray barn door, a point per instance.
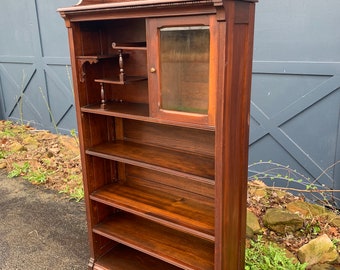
(35, 82)
(295, 109)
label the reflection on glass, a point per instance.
(184, 69)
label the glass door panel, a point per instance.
(182, 80)
(184, 69)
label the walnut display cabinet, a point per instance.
(162, 95)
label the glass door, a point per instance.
(181, 80)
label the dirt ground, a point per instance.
(39, 228)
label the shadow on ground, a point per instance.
(40, 229)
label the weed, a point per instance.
(21, 99)
(46, 161)
(74, 135)
(49, 111)
(272, 171)
(19, 170)
(36, 177)
(336, 241)
(7, 132)
(262, 256)
(76, 193)
(3, 154)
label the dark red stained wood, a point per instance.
(172, 210)
(128, 79)
(180, 178)
(232, 134)
(198, 142)
(138, 111)
(173, 162)
(135, 111)
(172, 246)
(201, 191)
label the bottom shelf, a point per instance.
(174, 247)
(124, 258)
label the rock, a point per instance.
(324, 266)
(257, 189)
(3, 164)
(305, 209)
(253, 225)
(309, 210)
(282, 221)
(30, 143)
(16, 147)
(249, 232)
(319, 250)
(334, 219)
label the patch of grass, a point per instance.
(264, 256)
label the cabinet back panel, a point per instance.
(136, 92)
(126, 31)
(135, 63)
(157, 180)
(182, 139)
(103, 33)
(94, 32)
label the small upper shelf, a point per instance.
(129, 46)
(117, 80)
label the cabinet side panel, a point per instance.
(232, 139)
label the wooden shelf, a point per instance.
(96, 57)
(129, 46)
(137, 111)
(124, 258)
(127, 80)
(169, 209)
(179, 249)
(182, 164)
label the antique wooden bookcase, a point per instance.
(162, 92)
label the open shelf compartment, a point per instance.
(174, 247)
(200, 168)
(172, 210)
(138, 111)
(124, 258)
